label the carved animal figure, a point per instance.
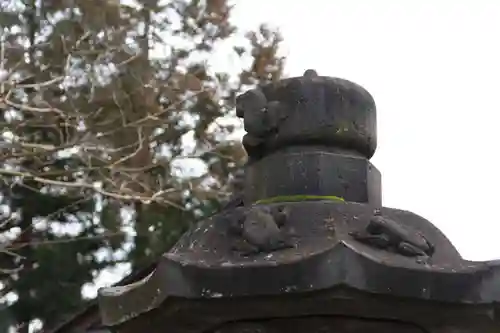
(251, 106)
(385, 233)
(261, 119)
(260, 229)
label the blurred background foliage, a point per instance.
(117, 134)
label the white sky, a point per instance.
(433, 67)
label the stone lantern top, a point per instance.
(310, 137)
(309, 247)
(310, 110)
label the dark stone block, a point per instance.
(319, 325)
(315, 172)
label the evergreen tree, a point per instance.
(104, 103)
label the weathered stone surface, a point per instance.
(318, 325)
(204, 265)
(317, 264)
(308, 111)
(390, 235)
(314, 171)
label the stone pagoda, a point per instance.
(308, 246)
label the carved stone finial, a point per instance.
(329, 112)
(310, 135)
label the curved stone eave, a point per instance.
(121, 303)
(480, 282)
